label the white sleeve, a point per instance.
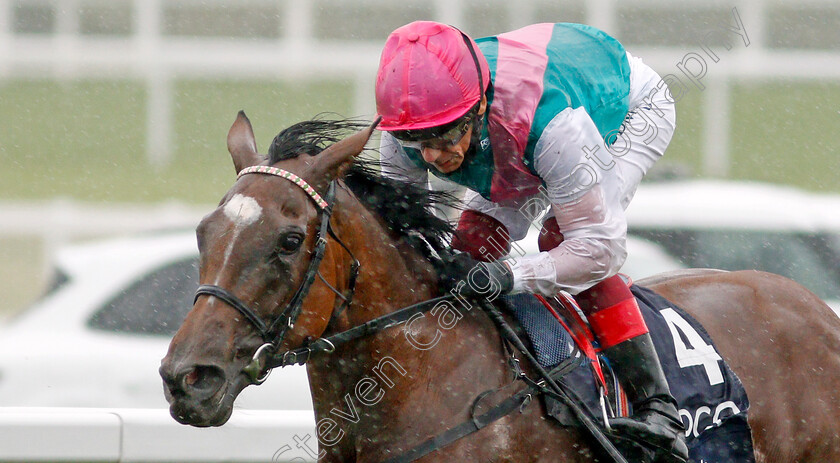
(572, 160)
(394, 163)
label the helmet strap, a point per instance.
(478, 119)
(475, 134)
(477, 65)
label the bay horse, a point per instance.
(380, 395)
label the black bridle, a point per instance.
(274, 331)
(266, 356)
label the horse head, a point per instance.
(258, 290)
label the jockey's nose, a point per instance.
(430, 155)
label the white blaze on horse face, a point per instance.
(242, 211)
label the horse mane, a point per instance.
(407, 209)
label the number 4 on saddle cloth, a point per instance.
(711, 400)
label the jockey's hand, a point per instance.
(473, 279)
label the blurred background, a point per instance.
(114, 106)
(113, 120)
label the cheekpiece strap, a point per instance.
(288, 176)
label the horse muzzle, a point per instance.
(199, 395)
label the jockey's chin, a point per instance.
(449, 164)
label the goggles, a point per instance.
(449, 134)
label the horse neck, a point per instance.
(392, 273)
(401, 370)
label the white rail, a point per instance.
(145, 435)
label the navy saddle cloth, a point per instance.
(712, 401)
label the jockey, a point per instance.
(550, 116)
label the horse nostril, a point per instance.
(202, 379)
(191, 377)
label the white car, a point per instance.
(97, 337)
(744, 225)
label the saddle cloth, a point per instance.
(711, 399)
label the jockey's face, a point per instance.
(445, 155)
(446, 152)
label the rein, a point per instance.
(328, 345)
(274, 331)
(519, 400)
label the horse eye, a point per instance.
(290, 243)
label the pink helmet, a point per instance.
(427, 77)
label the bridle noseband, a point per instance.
(274, 331)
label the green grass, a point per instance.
(780, 132)
(22, 272)
(69, 139)
(683, 152)
(86, 140)
(787, 133)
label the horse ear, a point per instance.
(342, 153)
(241, 143)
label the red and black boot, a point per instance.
(616, 320)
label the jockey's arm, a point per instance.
(583, 190)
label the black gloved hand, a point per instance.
(462, 275)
